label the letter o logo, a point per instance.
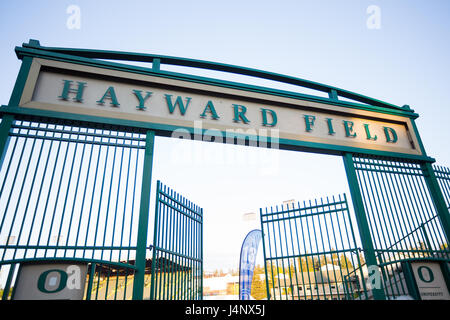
(43, 279)
(430, 277)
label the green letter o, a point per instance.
(430, 273)
(43, 278)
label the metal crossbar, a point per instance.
(309, 251)
(177, 263)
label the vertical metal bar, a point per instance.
(90, 281)
(276, 254)
(10, 195)
(132, 209)
(67, 195)
(405, 203)
(365, 186)
(187, 244)
(329, 245)
(109, 196)
(310, 244)
(162, 254)
(124, 213)
(417, 218)
(117, 200)
(339, 211)
(354, 241)
(101, 200)
(396, 207)
(29, 195)
(430, 208)
(84, 196)
(189, 236)
(304, 246)
(299, 251)
(57, 195)
(287, 254)
(201, 255)
(98, 281)
(270, 254)
(378, 213)
(183, 236)
(437, 197)
(318, 214)
(40, 190)
(7, 173)
(363, 227)
(190, 248)
(107, 282)
(38, 197)
(155, 238)
(263, 234)
(427, 211)
(92, 197)
(7, 287)
(293, 250)
(169, 236)
(138, 285)
(178, 259)
(165, 245)
(76, 192)
(5, 127)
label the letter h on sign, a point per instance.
(68, 89)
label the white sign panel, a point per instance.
(53, 281)
(430, 281)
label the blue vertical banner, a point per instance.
(249, 251)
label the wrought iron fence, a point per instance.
(402, 218)
(71, 192)
(177, 248)
(443, 177)
(311, 251)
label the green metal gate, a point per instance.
(71, 192)
(177, 263)
(443, 177)
(403, 218)
(79, 192)
(310, 251)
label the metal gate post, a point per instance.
(361, 219)
(14, 101)
(437, 196)
(5, 127)
(141, 249)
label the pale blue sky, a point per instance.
(404, 62)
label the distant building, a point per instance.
(327, 283)
(227, 285)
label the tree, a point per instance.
(259, 289)
(345, 262)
